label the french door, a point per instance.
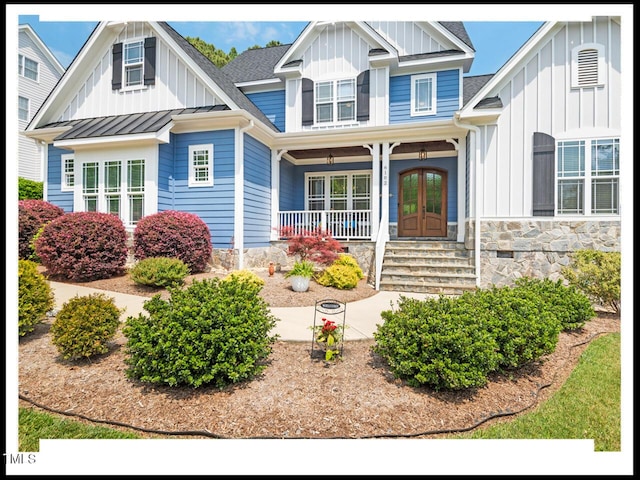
(422, 205)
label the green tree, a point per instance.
(218, 57)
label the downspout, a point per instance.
(238, 230)
(474, 150)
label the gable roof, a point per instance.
(26, 28)
(255, 64)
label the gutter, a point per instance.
(474, 150)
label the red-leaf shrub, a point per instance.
(84, 246)
(32, 215)
(314, 245)
(174, 234)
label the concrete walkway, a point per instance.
(361, 317)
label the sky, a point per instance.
(496, 31)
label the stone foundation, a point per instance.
(452, 231)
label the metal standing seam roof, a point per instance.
(129, 124)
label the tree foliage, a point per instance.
(219, 57)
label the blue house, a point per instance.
(435, 181)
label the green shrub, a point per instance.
(35, 297)
(174, 234)
(84, 325)
(159, 272)
(349, 261)
(29, 189)
(210, 332)
(436, 342)
(343, 277)
(84, 246)
(244, 276)
(597, 275)
(572, 308)
(301, 268)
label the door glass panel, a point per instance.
(433, 187)
(410, 194)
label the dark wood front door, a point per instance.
(422, 207)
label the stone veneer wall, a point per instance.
(452, 231)
(536, 248)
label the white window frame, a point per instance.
(194, 179)
(429, 109)
(327, 187)
(600, 66)
(335, 101)
(587, 177)
(139, 63)
(67, 172)
(26, 119)
(22, 67)
(127, 192)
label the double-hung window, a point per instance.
(201, 165)
(68, 172)
(338, 191)
(133, 63)
(27, 68)
(116, 187)
(423, 94)
(588, 176)
(23, 108)
(335, 101)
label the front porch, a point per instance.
(341, 224)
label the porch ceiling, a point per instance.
(360, 151)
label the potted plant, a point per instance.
(300, 275)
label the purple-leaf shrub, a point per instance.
(32, 215)
(174, 234)
(84, 246)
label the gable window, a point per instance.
(338, 191)
(133, 63)
(23, 108)
(335, 101)
(201, 165)
(68, 173)
(588, 177)
(423, 94)
(27, 68)
(116, 187)
(587, 65)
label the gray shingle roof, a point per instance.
(255, 64)
(457, 28)
(420, 56)
(130, 124)
(218, 76)
(472, 85)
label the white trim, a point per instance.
(64, 186)
(192, 176)
(125, 87)
(327, 189)
(38, 41)
(600, 65)
(432, 110)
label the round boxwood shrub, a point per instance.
(174, 234)
(35, 297)
(246, 276)
(29, 189)
(84, 246)
(84, 325)
(212, 332)
(32, 216)
(159, 272)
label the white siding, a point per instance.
(538, 96)
(176, 85)
(408, 37)
(29, 156)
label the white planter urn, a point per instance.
(300, 283)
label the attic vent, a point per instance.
(587, 66)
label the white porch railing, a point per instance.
(343, 224)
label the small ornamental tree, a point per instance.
(32, 216)
(84, 246)
(315, 245)
(174, 234)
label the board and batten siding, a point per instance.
(53, 192)
(408, 37)
(538, 97)
(257, 193)
(213, 204)
(272, 104)
(447, 97)
(176, 86)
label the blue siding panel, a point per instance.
(165, 175)
(447, 98)
(257, 193)
(53, 175)
(287, 185)
(272, 104)
(448, 164)
(215, 204)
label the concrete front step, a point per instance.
(443, 279)
(427, 288)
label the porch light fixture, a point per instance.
(422, 154)
(330, 159)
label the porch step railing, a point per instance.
(342, 224)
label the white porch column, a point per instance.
(384, 212)
(275, 191)
(238, 220)
(462, 174)
(375, 189)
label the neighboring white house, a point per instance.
(38, 73)
(434, 180)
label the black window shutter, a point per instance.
(544, 174)
(150, 61)
(116, 79)
(363, 96)
(307, 101)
